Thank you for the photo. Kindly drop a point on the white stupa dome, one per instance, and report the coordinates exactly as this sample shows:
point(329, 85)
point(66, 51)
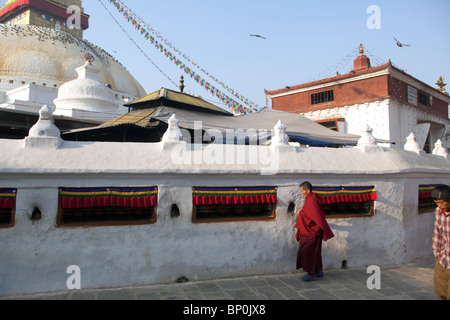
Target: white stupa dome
point(86, 93)
point(46, 56)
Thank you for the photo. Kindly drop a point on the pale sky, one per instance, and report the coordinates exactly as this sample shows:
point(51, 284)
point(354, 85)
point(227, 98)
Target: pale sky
point(305, 40)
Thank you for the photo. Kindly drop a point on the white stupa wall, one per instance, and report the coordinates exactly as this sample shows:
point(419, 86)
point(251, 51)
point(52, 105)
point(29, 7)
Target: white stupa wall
point(390, 120)
point(36, 254)
point(29, 97)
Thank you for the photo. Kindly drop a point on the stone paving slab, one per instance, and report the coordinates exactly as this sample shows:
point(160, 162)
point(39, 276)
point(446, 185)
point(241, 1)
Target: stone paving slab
point(411, 281)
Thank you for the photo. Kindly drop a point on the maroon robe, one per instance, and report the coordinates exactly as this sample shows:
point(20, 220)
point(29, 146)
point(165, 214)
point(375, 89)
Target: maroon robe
point(312, 228)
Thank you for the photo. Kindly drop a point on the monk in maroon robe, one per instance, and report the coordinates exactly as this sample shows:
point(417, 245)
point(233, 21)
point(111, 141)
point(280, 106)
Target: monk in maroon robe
point(312, 228)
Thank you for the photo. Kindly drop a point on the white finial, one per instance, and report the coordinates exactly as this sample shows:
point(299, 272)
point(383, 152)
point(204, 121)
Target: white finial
point(45, 126)
point(367, 138)
point(367, 142)
point(173, 133)
point(412, 145)
point(46, 113)
point(280, 137)
point(439, 149)
point(44, 133)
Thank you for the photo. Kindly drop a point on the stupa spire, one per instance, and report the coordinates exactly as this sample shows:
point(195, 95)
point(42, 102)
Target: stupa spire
point(64, 15)
point(362, 61)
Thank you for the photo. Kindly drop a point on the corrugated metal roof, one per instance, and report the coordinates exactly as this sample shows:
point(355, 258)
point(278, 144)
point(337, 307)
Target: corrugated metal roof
point(140, 117)
point(177, 97)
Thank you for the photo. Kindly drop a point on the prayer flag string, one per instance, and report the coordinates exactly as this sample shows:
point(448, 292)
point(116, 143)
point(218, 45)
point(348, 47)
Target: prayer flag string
point(151, 35)
point(134, 42)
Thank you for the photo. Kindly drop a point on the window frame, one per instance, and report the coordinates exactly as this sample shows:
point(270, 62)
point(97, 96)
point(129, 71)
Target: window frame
point(272, 207)
point(12, 210)
point(12, 222)
point(153, 216)
point(104, 223)
point(423, 98)
point(332, 123)
point(322, 97)
point(369, 214)
point(330, 215)
point(426, 188)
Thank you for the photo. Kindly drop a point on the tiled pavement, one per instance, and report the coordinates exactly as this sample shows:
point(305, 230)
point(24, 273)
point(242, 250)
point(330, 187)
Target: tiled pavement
point(410, 281)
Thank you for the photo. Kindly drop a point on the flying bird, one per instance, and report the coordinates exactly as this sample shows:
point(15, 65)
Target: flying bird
point(257, 36)
point(401, 44)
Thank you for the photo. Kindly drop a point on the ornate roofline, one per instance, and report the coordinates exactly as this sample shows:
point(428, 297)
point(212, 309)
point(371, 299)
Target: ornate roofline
point(52, 7)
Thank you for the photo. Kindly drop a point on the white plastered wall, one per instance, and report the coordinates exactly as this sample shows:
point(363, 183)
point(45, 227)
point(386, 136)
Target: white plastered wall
point(35, 254)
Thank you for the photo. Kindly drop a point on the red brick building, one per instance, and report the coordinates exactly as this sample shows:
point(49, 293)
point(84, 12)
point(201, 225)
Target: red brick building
point(386, 98)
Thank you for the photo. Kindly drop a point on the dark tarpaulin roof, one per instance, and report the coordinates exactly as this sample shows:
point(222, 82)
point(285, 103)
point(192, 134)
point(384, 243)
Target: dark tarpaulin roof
point(257, 125)
point(190, 109)
point(194, 113)
point(299, 128)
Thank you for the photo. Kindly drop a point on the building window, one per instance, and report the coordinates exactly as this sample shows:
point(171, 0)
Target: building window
point(426, 202)
point(347, 202)
point(412, 95)
point(322, 97)
point(84, 207)
point(223, 204)
point(333, 124)
point(7, 207)
point(422, 98)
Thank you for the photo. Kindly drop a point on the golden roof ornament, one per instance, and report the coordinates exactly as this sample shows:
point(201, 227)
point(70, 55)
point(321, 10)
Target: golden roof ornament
point(441, 85)
point(361, 50)
point(181, 84)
